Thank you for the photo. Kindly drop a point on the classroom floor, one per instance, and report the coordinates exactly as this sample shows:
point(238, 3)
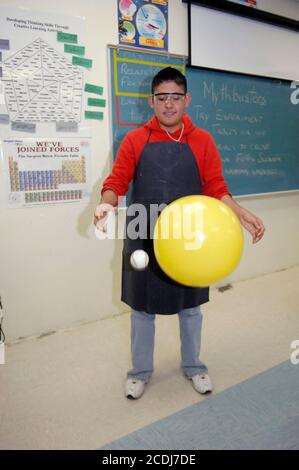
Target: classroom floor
point(65, 391)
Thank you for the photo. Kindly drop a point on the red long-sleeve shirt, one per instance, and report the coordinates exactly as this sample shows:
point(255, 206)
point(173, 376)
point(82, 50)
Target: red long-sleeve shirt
point(200, 141)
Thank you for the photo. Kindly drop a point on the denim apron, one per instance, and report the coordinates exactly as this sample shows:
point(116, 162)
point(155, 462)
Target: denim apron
point(166, 171)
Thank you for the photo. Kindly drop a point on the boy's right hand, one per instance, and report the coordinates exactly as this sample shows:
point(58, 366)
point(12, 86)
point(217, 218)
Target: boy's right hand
point(101, 216)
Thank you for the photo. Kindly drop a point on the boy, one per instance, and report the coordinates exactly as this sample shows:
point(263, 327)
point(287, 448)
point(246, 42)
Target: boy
point(168, 158)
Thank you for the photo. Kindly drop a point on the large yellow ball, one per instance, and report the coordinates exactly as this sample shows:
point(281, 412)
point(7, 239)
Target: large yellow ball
point(198, 240)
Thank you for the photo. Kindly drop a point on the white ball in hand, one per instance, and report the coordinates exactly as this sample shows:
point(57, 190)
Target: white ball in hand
point(139, 260)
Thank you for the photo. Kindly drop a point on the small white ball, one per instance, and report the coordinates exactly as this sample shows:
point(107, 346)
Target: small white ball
point(139, 260)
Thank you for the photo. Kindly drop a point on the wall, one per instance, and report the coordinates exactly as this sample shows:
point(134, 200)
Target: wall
point(288, 8)
point(54, 273)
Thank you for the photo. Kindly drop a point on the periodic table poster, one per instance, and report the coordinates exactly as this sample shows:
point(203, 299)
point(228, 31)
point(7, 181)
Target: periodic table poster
point(46, 171)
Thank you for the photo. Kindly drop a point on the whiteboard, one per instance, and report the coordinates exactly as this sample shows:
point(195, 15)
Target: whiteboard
point(224, 41)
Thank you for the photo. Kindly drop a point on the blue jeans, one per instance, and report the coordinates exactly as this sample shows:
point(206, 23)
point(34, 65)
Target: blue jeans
point(142, 343)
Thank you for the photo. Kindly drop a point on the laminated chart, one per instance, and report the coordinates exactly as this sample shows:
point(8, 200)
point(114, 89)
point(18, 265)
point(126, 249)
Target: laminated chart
point(41, 86)
point(42, 74)
point(46, 172)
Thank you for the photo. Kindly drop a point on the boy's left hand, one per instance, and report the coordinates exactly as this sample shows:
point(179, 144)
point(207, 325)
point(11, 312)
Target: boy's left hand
point(253, 224)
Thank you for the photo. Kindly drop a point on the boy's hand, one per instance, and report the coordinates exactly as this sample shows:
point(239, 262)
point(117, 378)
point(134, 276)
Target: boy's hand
point(101, 215)
point(252, 223)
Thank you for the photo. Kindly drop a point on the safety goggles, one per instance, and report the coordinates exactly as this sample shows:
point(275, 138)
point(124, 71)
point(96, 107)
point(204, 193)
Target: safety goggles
point(172, 97)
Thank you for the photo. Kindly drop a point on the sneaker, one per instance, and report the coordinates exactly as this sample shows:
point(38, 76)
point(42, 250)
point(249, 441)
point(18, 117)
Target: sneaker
point(134, 388)
point(202, 383)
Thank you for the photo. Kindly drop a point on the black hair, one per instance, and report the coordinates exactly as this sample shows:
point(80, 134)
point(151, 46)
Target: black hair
point(169, 74)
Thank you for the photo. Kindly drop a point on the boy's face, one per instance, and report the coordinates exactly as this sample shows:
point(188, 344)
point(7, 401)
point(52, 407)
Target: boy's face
point(169, 109)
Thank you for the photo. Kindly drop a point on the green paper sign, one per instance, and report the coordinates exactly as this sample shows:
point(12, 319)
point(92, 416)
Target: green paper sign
point(87, 63)
point(94, 115)
point(66, 37)
point(96, 102)
point(77, 50)
point(98, 90)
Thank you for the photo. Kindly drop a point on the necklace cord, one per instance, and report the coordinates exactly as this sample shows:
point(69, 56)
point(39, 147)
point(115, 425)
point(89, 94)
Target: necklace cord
point(176, 140)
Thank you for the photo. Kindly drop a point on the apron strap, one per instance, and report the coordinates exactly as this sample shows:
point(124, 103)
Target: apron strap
point(149, 136)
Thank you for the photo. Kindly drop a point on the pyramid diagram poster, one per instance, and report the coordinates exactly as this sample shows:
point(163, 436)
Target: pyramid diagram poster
point(44, 139)
point(41, 86)
point(41, 91)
